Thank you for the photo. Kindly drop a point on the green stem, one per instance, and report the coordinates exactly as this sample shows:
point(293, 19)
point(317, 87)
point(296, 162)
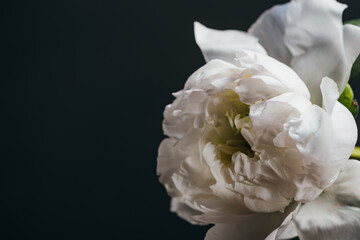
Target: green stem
point(356, 153)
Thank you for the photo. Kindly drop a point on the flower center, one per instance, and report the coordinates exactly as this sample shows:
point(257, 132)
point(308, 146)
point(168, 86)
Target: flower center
point(227, 115)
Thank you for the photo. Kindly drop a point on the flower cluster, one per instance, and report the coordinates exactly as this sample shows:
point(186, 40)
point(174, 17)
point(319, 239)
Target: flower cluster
point(257, 142)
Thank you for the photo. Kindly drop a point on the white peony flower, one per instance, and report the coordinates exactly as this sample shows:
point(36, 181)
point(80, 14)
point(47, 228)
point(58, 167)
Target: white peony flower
point(246, 146)
point(249, 144)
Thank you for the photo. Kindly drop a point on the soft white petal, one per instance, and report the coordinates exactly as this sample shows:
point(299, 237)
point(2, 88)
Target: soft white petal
point(223, 187)
point(255, 226)
point(216, 44)
point(184, 211)
point(256, 88)
point(290, 232)
point(290, 127)
point(193, 178)
point(351, 42)
point(295, 100)
point(263, 190)
point(335, 214)
point(313, 135)
point(179, 116)
point(268, 119)
point(267, 79)
point(345, 136)
point(270, 29)
point(213, 76)
point(312, 132)
point(188, 178)
point(346, 187)
point(330, 94)
point(314, 36)
point(287, 127)
point(309, 36)
point(168, 161)
point(330, 146)
point(252, 189)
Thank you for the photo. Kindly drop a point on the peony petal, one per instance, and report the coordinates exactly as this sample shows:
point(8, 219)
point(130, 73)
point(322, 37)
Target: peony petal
point(306, 131)
point(216, 44)
point(344, 137)
point(179, 116)
point(268, 78)
point(313, 34)
point(213, 76)
point(193, 178)
point(351, 42)
point(168, 161)
point(223, 187)
point(289, 233)
point(268, 119)
point(343, 127)
point(254, 178)
point(184, 211)
point(255, 226)
point(255, 193)
point(313, 135)
point(335, 214)
point(270, 29)
point(337, 135)
point(330, 94)
point(257, 88)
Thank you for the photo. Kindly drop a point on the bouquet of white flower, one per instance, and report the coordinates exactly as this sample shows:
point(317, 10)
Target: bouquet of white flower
point(259, 140)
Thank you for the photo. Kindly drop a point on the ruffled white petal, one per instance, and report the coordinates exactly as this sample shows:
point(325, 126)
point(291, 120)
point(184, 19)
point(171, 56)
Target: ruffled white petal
point(169, 161)
point(216, 44)
point(193, 178)
point(267, 78)
point(247, 186)
point(180, 116)
point(315, 142)
point(335, 214)
point(263, 190)
point(255, 226)
point(318, 43)
point(213, 76)
point(289, 233)
point(345, 136)
point(344, 132)
point(313, 135)
point(184, 211)
point(270, 29)
point(330, 94)
point(351, 42)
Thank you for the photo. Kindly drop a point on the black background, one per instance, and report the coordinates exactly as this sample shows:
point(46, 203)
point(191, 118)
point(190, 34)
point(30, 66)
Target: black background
point(83, 88)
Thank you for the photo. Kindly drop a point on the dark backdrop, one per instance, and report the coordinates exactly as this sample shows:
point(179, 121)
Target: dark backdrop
point(83, 87)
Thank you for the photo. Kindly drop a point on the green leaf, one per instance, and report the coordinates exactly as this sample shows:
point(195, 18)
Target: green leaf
point(355, 71)
point(347, 99)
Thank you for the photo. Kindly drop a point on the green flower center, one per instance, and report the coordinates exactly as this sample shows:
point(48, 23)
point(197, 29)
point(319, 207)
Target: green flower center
point(227, 116)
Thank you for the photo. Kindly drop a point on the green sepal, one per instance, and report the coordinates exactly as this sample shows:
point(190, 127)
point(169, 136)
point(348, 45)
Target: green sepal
point(355, 70)
point(354, 22)
point(347, 99)
point(356, 153)
point(354, 109)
